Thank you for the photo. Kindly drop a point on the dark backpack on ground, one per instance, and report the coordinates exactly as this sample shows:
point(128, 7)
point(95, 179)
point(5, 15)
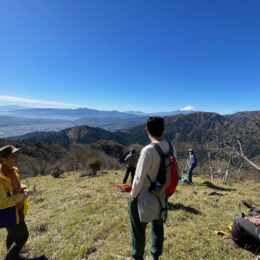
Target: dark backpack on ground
point(245, 233)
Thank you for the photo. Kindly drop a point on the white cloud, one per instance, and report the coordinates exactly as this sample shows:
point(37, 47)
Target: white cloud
point(34, 102)
point(187, 108)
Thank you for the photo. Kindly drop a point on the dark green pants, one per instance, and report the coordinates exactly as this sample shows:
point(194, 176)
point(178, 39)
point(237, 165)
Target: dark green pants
point(16, 239)
point(138, 234)
point(189, 173)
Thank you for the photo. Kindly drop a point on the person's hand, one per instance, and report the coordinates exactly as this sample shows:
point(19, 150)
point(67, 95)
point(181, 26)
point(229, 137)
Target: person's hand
point(27, 193)
point(24, 188)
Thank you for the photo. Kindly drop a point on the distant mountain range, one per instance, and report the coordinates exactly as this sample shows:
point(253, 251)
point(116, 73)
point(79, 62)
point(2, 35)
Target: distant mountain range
point(73, 114)
point(71, 148)
point(18, 120)
point(200, 128)
point(184, 111)
point(212, 128)
point(67, 114)
point(12, 107)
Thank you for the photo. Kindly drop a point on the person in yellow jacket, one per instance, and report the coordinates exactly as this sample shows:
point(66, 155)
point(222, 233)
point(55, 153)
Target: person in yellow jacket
point(13, 203)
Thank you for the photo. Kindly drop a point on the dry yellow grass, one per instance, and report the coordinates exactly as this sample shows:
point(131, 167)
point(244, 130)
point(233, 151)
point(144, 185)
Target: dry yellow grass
point(86, 218)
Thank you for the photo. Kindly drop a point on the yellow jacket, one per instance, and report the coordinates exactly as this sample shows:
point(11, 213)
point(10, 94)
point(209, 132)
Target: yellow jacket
point(8, 199)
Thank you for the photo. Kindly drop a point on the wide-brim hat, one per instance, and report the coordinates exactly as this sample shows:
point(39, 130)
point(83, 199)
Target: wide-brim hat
point(8, 150)
point(190, 150)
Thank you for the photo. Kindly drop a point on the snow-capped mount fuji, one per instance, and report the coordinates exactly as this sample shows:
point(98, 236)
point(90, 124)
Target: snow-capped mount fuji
point(188, 108)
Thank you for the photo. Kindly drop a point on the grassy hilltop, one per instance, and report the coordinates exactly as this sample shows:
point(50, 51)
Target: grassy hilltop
point(86, 218)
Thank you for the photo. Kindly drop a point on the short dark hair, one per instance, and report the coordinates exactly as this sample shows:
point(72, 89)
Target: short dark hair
point(155, 126)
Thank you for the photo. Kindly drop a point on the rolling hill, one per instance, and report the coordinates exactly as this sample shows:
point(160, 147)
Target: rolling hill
point(197, 127)
point(202, 128)
point(197, 130)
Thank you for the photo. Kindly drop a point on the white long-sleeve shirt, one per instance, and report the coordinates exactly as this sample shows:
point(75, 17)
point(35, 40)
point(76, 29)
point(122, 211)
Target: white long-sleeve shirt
point(148, 164)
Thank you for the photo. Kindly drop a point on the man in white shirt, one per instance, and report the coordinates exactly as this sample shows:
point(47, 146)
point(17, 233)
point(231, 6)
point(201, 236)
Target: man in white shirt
point(148, 164)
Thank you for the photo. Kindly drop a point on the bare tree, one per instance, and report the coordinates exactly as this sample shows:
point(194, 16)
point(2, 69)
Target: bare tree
point(227, 170)
point(241, 154)
point(210, 163)
point(77, 157)
point(239, 170)
point(41, 166)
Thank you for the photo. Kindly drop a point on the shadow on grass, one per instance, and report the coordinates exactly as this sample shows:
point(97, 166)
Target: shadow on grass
point(214, 193)
point(210, 185)
point(42, 257)
point(177, 206)
point(251, 246)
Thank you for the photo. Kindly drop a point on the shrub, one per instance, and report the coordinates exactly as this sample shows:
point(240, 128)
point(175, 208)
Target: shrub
point(94, 165)
point(56, 174)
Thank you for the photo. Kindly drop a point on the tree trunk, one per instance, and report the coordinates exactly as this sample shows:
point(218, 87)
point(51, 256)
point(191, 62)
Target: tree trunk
point(227, 171)
point(241, 154)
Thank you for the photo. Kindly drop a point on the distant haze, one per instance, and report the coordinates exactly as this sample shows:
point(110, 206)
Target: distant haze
point(18, 120)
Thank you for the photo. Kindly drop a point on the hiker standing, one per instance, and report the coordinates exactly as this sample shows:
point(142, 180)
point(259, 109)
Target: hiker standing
point(148, 164)
point(131, 160)
point(13, 203)
point(191, 164)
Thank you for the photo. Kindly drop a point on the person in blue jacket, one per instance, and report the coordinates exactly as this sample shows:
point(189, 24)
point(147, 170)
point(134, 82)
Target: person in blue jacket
point(191, 163)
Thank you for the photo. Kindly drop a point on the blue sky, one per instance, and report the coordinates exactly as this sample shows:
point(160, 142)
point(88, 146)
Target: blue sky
point(148, 55)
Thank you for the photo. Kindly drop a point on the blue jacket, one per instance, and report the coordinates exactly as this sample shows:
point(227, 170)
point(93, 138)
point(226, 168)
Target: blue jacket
point(192, 161)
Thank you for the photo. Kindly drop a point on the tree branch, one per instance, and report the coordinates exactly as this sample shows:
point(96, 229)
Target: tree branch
point(241, 154)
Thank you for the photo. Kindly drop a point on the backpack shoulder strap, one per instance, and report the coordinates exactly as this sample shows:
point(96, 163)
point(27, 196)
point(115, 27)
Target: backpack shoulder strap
point(158, 149)
point(170, 148)
point(160, 152)
point(149, 179)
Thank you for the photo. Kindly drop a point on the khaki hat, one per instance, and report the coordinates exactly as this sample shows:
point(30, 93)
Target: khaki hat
point(8, 150)
point(190, 150)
